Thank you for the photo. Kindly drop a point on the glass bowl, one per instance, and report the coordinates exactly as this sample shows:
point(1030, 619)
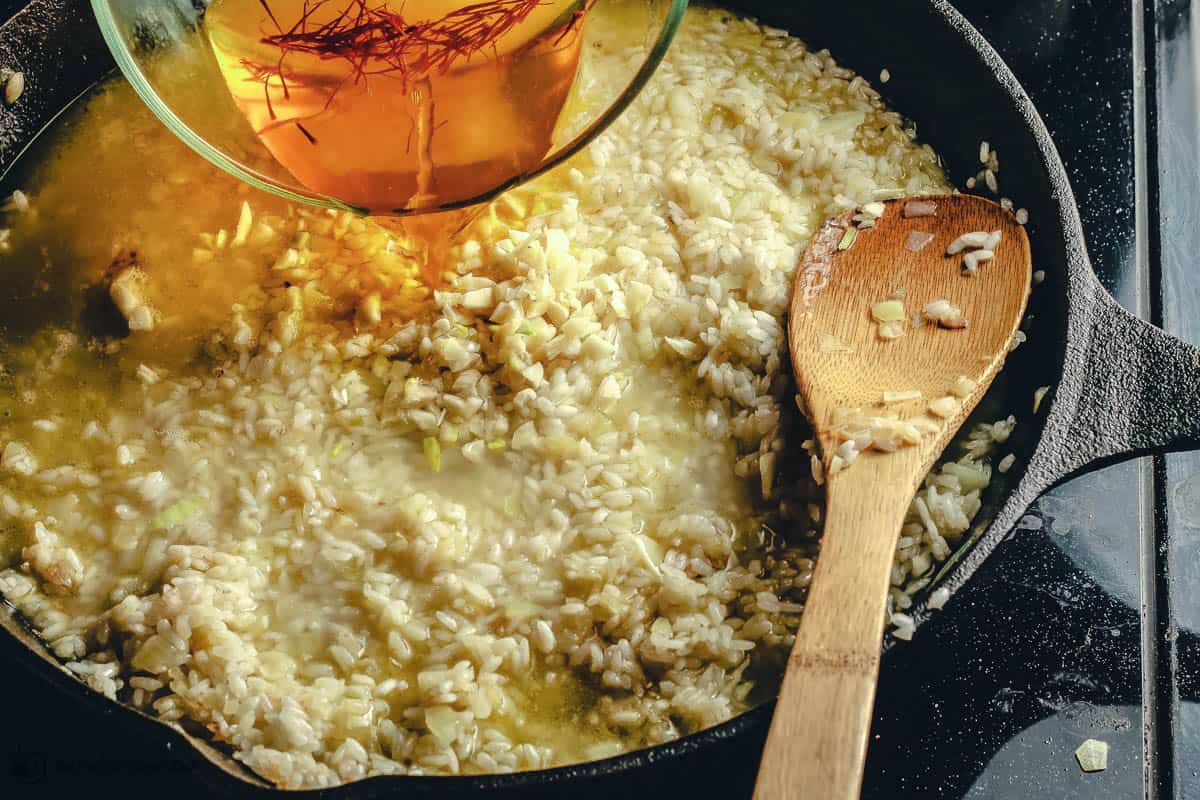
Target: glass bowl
point(169, 55)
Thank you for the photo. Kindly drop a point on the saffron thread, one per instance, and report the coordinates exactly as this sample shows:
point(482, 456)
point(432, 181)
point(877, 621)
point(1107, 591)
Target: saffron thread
point(307, 135)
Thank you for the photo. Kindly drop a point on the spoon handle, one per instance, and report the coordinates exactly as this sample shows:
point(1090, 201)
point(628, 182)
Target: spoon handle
point(818, 739)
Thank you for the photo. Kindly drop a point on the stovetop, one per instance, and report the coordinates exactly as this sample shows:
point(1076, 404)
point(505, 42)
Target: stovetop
point(1082, 624)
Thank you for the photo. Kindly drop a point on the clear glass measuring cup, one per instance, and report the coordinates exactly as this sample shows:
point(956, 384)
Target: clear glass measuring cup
point(224, 96)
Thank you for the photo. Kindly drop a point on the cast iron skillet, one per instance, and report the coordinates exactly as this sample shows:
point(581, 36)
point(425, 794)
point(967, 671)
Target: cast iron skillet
point(1120, 386)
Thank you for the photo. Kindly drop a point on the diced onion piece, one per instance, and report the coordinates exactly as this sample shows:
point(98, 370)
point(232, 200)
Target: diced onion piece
point(971, 475)
point(944, 407)
point(902, 397)
point(479, 299)
point(443, 723)
point(888, 311)
point(1092, 755)
point(828, 343)
point(178, 513)
point(890, 434)
point(919, 208)
point(924, 424)
point(245, 220)
point(14, 87)
point(848, 238)
point(684, 347)
point(1038, 394)
point(892, 330)
point(874, 209)
point(847, 451)
point(917, 241)
point(905, 626)
point(842, 124)
point(963, 386)
point(519, 610)
point(433, 453)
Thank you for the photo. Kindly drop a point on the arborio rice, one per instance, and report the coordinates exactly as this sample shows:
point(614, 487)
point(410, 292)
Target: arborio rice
point(541, 516)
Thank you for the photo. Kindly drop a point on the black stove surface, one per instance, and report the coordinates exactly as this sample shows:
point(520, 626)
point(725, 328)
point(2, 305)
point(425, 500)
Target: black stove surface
point(1082, 625)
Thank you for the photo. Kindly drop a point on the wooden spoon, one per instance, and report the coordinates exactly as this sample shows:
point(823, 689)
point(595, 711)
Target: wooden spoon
point(818, 739)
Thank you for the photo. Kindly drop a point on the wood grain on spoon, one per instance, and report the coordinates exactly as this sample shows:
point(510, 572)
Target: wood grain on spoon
point(818, 738)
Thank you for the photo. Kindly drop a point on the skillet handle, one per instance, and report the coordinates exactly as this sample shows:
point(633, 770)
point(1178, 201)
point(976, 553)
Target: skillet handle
point(1128, 388)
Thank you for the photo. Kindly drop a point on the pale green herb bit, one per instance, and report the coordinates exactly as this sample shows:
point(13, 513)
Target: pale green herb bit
point(1092, 755)
point(433, 453)
point(848, 239)
point(177, 513)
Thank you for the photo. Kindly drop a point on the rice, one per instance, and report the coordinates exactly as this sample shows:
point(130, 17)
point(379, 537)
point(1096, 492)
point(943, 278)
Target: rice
point(523, 520)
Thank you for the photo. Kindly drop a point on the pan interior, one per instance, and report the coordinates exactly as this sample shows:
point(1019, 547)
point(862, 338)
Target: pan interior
point(959, 150)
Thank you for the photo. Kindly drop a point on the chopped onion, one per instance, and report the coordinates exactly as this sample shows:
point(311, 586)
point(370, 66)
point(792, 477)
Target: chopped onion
point(1092, 755)
point(924, 424)
point(874, 209)
point(443, 723)
point(944, 407)
point(828, 343)
point(963, 386)
point(888, 311)
point(917, 240)
point(971, 474)
point(919, 208)
point(1037, 397)
point(901, 397)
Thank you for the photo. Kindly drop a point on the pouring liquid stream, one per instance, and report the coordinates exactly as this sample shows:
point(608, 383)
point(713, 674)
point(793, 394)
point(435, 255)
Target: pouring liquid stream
point(400, 106)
